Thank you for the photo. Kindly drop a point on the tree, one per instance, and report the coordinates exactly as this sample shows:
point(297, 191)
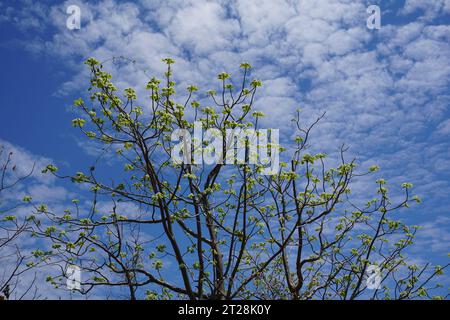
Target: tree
point(14, 258)
point(223, 231)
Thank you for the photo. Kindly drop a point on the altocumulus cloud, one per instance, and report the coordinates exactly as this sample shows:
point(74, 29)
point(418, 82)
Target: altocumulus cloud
point(386, 92)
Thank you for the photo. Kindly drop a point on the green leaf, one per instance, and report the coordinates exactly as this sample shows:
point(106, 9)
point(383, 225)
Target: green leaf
point(50, 168)
point(168, 61)
point(256, 83)
point(78, 122)
point(407, 185)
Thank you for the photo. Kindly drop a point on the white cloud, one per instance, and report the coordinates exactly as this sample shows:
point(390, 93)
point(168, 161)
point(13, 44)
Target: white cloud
point(430, 9)
point(444, 127)
point(386, 92)
point(26, 163)
point(315, 55)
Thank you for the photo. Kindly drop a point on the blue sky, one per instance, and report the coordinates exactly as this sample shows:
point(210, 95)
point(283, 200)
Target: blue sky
point(386, 92)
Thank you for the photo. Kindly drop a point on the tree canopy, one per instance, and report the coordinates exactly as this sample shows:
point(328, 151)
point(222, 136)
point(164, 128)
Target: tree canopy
point(222, 231)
